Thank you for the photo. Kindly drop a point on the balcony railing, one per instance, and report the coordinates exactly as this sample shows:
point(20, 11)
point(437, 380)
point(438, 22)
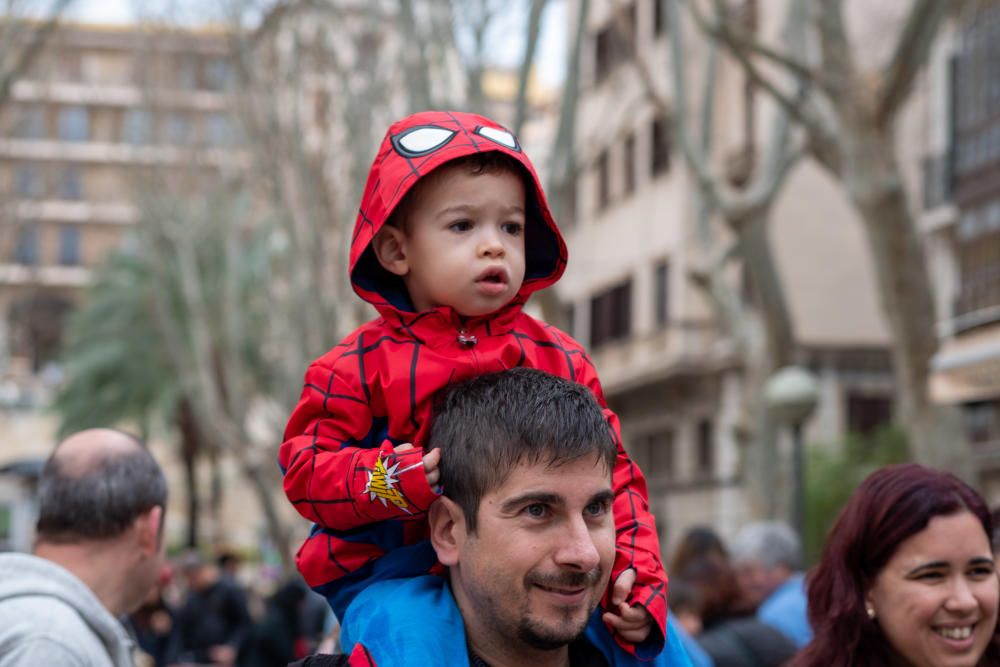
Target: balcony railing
point(938, 180)
point(978, 300)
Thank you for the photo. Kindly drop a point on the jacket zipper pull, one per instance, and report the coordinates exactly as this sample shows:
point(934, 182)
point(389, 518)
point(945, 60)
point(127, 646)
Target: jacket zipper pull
point(466, 339)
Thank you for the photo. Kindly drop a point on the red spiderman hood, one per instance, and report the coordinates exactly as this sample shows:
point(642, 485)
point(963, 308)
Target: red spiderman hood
point(412, 148)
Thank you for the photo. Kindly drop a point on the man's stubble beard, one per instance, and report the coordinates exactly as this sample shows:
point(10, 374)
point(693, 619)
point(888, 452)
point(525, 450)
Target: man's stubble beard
point(540, 636)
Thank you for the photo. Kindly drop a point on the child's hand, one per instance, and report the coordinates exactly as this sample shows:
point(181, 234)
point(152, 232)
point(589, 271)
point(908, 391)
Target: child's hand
point(633, 624)
point(431, 461)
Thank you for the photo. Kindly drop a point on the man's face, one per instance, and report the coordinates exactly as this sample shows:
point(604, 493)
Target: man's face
point(758, 582)
point(539, 561)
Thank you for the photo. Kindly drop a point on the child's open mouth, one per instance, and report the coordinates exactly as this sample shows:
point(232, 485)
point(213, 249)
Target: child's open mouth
point(493, 281)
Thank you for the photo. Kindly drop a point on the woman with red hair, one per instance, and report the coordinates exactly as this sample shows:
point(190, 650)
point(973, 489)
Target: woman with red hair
point(907, 577)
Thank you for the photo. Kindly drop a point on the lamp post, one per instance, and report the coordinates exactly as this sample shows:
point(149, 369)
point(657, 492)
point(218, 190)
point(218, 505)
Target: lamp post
point(791, 395)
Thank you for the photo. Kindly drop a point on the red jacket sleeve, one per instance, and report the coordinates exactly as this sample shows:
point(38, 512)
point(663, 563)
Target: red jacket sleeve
point(338, 471)
point(637, 545)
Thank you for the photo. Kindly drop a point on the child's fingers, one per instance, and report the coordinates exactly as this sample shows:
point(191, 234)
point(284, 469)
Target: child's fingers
point(433, 478)
point(623, 586)
point(633, 617)
point(431, 460)
point(405, 447)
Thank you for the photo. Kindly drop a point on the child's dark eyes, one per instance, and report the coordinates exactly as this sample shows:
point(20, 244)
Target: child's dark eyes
point(513, 228)
point(461, 225)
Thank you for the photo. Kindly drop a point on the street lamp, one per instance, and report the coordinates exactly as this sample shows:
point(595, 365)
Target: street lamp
point(791, 395)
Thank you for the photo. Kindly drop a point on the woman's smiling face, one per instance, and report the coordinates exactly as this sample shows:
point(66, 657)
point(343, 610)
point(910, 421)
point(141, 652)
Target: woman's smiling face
point(936, 599)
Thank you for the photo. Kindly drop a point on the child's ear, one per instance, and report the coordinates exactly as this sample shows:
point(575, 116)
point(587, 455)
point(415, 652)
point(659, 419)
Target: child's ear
point(390, 249)
point(448, 533)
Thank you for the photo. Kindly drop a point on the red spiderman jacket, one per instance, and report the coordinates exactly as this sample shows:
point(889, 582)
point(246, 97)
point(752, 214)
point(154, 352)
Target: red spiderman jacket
point(374, 391)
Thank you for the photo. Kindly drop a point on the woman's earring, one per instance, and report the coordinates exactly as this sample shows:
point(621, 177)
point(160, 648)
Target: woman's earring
point(870, 610)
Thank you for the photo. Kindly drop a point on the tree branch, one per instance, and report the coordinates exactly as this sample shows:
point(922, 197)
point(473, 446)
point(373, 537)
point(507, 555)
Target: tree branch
point(909, 56)
point(26, 57)
point(530, 45)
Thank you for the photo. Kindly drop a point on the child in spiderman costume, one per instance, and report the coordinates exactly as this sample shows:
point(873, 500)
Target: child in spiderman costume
point(452, 237)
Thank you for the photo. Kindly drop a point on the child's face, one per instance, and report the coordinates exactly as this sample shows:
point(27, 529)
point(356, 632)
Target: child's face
point(463, 244)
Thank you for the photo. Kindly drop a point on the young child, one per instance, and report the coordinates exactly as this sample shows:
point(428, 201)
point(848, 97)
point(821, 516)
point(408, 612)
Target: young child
point(452, 237)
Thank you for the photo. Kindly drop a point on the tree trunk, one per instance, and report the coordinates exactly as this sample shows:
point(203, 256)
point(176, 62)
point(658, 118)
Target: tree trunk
point(875, 185)
point(264, 485)
point(190, 447)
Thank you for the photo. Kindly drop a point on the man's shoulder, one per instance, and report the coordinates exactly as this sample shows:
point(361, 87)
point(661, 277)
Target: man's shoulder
point(46, 630)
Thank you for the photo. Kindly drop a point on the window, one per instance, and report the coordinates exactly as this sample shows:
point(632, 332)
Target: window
point(706, 448)
point(6, 527)
point(30, 123)
point(69, 245)
point(659, 455)
point(866, 414)
point(661, 147)
point(611, 47)
point(603, 181)
point(137, 127)
point(26, 245)
point(659, 18)
point(569, 317)
point(661, 292)
point(29, 181)
point(611, 314)
point(982, 421)
point(69, 184)
point(218, 74)
point(178, 129)
point(74, 124)
point(219, 130)
point(187, 72)
point(629, 169)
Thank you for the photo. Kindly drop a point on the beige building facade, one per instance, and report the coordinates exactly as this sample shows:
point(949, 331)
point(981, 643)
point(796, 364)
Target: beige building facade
point(667, 368)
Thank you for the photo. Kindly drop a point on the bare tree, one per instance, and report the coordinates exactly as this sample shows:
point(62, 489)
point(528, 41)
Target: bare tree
point(762, 331)
point(849, 114)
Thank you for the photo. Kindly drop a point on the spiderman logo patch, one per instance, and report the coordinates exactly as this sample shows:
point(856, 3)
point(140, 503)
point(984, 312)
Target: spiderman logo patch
point(382, 482)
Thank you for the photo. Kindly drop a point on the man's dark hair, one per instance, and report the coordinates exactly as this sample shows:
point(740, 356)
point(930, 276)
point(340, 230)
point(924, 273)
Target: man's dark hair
point(100, 499)
point(489, 424)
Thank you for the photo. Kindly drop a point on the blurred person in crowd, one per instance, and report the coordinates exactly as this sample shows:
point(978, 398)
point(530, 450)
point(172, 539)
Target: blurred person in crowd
point(214, 621)
point(154, 625)
point(229, 563)
point(907, 577)
point(98, 553)
point(730, 635)
point(698, 543)
point(767, 558)
point(685, 606)
point(278, 639)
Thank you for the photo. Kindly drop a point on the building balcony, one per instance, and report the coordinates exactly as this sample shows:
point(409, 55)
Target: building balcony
point(119, 153)
point(82, 212)
point(978, 300)
point(46, 276)
point(939, 210)
point(681, 348)
point(117, 95)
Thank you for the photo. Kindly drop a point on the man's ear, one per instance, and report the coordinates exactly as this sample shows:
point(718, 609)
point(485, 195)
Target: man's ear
point(389, 245)
point(148, 530)
point(448, 530)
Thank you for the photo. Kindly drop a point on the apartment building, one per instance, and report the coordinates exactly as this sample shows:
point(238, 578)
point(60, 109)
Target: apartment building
point(667, 368)
point(100, 107)
point(961, 221)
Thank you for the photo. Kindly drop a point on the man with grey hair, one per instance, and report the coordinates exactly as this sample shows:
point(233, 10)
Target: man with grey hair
point(767, 557)
point(98, 552)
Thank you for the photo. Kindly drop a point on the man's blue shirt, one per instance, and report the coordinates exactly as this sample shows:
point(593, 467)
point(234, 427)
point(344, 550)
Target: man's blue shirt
point(785, 610)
